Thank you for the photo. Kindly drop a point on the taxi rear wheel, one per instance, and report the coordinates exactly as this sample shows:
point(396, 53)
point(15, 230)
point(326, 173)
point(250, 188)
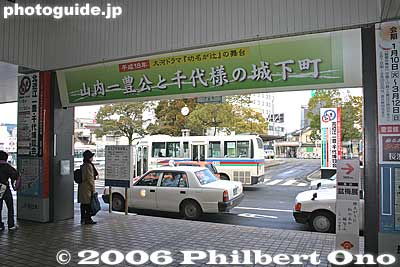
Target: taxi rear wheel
point(323, 222)
point(118, 203)
point(191, 210)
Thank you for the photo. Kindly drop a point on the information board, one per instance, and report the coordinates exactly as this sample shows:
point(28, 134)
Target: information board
point(119, 167)
point(348, 205)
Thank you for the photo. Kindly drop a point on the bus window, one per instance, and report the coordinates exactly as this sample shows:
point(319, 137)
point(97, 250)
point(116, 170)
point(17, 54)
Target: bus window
point(230, 149)
point(260, 143)
point(173, 149)
point(214, 149)
point(243, 149)
point(158, 150)
point(186, 153)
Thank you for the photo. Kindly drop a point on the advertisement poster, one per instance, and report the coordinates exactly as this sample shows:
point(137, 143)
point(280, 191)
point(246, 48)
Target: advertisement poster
point(30, 170)
point(28, 115)
point(119, 165)
point(323, 60)
point(331, 137)
point(348, 205)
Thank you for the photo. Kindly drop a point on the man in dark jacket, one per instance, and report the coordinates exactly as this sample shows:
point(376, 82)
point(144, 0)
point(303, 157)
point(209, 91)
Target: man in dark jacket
point(7, 172)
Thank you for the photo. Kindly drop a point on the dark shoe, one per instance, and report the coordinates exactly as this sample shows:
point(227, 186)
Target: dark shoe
point(90, 222)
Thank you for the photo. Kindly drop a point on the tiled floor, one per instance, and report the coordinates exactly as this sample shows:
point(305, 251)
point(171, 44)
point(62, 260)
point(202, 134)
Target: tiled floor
point(36, 244)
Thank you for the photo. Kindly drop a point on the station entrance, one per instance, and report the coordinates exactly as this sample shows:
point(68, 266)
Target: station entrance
point(321, 61)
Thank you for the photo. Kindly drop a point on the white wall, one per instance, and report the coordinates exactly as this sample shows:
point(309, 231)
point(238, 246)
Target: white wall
point(154, 26)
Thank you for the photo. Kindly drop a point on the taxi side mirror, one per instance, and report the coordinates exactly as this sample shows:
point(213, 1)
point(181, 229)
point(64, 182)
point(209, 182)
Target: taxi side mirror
point(314, 196)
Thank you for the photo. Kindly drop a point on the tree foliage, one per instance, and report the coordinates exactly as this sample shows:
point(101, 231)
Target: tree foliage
point(351, 113)
point(125, 119)
point(169, 119)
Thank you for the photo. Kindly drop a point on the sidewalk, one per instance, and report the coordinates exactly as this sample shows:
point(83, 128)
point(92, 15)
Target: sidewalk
point(36, 244)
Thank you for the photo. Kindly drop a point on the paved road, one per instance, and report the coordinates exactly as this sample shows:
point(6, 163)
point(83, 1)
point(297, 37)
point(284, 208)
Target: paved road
point(270, 204)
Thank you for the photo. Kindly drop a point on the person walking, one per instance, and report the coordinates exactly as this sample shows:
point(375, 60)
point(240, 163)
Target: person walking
point(87, 187)
point(7, 172)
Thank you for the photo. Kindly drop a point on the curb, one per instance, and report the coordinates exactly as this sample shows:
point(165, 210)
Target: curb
point(273, 164)
point(308, 178)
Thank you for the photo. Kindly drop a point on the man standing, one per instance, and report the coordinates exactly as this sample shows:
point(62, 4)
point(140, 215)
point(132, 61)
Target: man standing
point(7, 172)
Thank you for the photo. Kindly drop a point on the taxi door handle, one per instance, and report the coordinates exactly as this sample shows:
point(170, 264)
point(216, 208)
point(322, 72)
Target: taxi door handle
point(152, 190)
point(183, 192)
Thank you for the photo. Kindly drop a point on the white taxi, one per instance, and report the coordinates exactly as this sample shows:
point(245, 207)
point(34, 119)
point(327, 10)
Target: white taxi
point(317, 208)
point(189, 190)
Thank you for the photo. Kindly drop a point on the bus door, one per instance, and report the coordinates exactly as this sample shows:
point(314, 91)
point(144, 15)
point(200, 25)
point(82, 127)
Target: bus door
point(198, 152)
point(142, 160)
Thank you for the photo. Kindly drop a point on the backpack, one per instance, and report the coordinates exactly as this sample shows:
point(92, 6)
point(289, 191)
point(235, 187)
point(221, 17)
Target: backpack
point(78, 175)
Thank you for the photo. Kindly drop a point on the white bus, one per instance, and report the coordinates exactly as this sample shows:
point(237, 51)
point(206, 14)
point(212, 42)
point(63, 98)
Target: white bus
point(237, 158)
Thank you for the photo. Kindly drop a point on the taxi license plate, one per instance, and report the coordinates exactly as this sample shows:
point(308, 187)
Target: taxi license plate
point(235, 191)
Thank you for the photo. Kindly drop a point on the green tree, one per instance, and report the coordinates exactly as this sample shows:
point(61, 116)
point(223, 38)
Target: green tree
point(211, 116)
point(125, 119)
point(169, 119)
point(249, 121)
point(351, 113)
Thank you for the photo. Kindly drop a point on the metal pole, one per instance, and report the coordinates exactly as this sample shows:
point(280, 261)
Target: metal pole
point(126, 201)
point(371, 141)
point(110, 196)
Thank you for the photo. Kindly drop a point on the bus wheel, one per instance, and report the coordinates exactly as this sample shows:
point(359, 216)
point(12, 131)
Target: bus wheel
point(224, 177)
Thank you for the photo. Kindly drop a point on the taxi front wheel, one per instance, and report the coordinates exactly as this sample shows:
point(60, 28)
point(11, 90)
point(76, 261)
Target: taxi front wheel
point(191, 210)
point(118, 203)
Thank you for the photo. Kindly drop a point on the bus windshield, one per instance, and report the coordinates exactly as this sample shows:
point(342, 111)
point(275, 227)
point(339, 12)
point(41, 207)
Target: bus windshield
point(205, 177)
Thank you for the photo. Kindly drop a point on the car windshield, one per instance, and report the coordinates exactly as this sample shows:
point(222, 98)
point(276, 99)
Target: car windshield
point(205, 176)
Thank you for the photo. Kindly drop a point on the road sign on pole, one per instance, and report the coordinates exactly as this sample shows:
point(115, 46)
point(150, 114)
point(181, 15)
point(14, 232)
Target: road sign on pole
point(348, 205)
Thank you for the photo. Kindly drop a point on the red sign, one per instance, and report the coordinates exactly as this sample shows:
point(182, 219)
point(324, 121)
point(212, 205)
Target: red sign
point(389, 129)
point(349, 168)
point(132, 66)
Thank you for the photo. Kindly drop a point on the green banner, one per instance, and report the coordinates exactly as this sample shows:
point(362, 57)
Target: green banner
point(302, 62)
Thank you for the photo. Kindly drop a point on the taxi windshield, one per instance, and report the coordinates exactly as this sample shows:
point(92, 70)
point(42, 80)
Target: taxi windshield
point(205, 176)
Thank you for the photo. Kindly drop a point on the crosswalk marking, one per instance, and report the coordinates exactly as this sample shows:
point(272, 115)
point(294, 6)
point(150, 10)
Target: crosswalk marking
point(283, 182)
point(274, 182)
point(289, 182)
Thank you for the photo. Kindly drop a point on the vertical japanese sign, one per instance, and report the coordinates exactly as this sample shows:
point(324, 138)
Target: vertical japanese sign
point(331, 137)
point(32, 147)
point(388, 82)
point(323, 60)
point(348, 205)
point(119, 165)
point(28, 115)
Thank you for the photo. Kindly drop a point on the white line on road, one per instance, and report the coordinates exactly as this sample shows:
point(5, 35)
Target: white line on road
point(249, 208)
point(302, 184)
point(256, 216)
point(266, 181)
point(274, 182)
point(289, 182)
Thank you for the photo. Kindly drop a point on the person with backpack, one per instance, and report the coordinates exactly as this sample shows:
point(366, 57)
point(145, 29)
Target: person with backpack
point(7, 172)
point(86, 187)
